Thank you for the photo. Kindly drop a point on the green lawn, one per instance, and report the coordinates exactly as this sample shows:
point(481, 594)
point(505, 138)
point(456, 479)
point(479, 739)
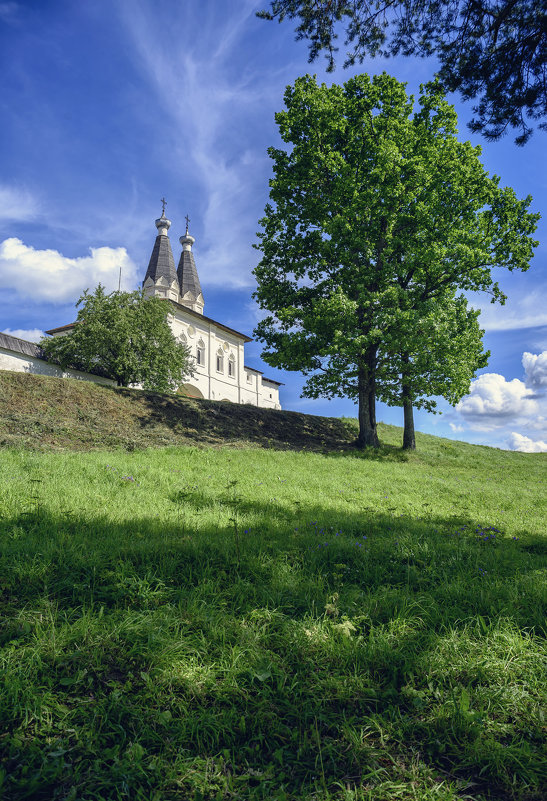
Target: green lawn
point(226, 623)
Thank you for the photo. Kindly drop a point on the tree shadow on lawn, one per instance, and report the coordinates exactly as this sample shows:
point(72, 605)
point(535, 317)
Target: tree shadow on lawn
point(208, 422)
point(361, 646)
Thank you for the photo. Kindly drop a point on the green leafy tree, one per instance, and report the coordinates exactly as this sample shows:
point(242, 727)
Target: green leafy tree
point(377, 210)
point(493, 50)
point(126, 337)
point(437, 353)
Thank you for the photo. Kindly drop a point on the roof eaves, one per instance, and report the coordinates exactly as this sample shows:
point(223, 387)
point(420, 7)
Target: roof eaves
point(199, 316)
point(61, 328)
point(272, 381)
point(18, 345)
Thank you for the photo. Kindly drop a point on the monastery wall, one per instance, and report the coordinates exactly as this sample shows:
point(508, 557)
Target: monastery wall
point(220, 373)
point(24, 363)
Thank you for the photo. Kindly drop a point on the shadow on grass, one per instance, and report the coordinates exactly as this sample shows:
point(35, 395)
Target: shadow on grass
point(209, 422)
point(335, 651)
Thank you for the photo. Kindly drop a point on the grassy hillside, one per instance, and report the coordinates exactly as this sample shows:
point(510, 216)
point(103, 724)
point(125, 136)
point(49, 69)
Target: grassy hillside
point(253, 623)
point(48, 414)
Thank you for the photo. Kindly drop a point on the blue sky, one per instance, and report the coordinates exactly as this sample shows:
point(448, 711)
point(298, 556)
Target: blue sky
point(108, 106)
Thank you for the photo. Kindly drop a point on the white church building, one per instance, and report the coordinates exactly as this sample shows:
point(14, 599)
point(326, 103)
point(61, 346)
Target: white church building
point(218, 350)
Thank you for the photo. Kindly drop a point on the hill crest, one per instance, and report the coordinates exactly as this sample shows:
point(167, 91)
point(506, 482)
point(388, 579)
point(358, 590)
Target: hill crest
point(45, 413)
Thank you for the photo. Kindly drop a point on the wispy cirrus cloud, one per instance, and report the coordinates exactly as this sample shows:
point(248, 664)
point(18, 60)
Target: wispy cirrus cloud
point(525, 308)
point(17, 203)
point(215, 104)
point(9, 11)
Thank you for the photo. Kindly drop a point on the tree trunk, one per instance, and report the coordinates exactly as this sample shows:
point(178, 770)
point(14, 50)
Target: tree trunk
point(368, 435)
point(409, 439)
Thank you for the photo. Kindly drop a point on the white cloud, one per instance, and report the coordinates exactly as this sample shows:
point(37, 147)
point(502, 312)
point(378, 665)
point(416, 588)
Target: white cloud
point(455, 427)
point(30, 334)
point(518, 442)
point(535, 367)
point(47, 275)
point(493, 401)
point(17, 204)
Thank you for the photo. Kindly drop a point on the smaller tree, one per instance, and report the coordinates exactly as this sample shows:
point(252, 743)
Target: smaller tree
point(436, 351)
point(126, 337)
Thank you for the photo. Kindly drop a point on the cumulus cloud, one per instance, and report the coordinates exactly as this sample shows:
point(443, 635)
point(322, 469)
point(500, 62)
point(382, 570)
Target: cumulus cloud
point(47, 275)
point(519, 442)
point(30, 334)
point(535, 367)
point(456, 428)
point(17, 204)
point(493, 400)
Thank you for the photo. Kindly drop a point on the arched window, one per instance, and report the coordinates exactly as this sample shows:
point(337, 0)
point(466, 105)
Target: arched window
point(232, 365)
point(201, 353)
point(220, 361)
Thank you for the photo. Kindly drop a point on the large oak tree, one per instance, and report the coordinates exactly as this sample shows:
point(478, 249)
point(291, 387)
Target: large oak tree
point(491, 50)
point(378, 210)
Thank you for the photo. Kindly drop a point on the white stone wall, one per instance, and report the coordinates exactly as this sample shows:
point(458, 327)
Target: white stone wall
point(22, 363)
point(211, 382)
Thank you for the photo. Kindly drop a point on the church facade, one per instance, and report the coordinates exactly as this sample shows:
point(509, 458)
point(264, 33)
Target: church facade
point(218, 350)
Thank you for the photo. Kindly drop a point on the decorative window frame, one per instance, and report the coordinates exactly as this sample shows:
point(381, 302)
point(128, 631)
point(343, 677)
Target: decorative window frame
point(232, 365)
point(220, 361)
point(200, 353)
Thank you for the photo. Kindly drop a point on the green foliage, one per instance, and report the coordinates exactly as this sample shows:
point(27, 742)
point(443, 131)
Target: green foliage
point(439, 353)
point(126, 337)
point(493, 51)
point(379, 216)
point(380, 635)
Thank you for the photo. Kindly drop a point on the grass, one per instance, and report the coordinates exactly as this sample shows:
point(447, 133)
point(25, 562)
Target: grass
point(42, 413)
point(251, 623)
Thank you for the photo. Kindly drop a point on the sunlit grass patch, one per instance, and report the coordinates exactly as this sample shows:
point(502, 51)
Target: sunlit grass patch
point(203, 624)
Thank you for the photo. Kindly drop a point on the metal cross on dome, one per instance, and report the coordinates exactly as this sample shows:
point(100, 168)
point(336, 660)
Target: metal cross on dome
point(163, 203)
point(187, 218)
